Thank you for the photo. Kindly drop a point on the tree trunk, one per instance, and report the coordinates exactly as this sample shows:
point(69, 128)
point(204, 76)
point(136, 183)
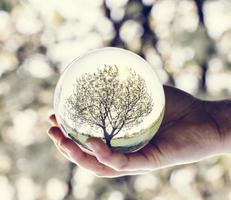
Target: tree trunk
point(108, 142)
point(107, 138)
point(203, 86)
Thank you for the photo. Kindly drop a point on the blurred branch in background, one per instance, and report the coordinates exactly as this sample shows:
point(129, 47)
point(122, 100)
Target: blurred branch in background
point(210, 49)
point(116, 41)
point(70, 177)
point(141, 16)
point(149, 37)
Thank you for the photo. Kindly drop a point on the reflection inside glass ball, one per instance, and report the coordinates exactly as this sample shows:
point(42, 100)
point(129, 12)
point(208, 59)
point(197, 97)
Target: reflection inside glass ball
point(112, 94)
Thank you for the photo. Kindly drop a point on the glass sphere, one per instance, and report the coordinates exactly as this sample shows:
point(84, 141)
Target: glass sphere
point(112, 94)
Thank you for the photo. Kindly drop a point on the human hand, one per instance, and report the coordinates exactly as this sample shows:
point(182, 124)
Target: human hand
point(187, 134)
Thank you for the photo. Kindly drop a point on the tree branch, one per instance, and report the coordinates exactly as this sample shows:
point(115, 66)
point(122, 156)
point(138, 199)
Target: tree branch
point(69, 181)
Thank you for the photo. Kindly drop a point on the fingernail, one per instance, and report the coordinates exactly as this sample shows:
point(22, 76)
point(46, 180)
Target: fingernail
point(90, 145)
point(49, 132)
point(49, 113)
point(50, 119)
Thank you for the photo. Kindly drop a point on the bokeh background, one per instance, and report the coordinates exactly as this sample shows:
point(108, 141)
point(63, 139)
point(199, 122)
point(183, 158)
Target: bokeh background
point(188, 43)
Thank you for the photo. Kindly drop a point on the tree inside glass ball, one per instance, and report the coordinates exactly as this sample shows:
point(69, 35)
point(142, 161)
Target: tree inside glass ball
point(112, 94)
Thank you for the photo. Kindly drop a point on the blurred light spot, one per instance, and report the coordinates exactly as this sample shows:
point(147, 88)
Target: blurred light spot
point(162, 31)
point(146, 182)
point(5, 25)
point(26, 21)
point(182, 179)
point(163, 11)
point(66, 51)
point(131, 31)
point(214, 174)
point(224, 44)
point(218, 78)
point(47, 37)
point(218, 17)
point(116, 195)
point(116, 3)
point(219, 82)
point(169, 194)
point(186, 17)
point(189, 53)
point(26, 189)
point(81, 192)
point(72, 30)
point(187, 80)
point(83, 177)
point(117, 14)
point(152, 57)
point(164, 47)
point(156, 64)
point(82, 181)
point(38, 66)
point(215, 65)
point(92, 40)
point(23, 125)
point(83, 10)
point(105, 28)
point(8, 62)
point(12, 44)
point(6, 190)
point(6, 163)
point(162, 14)
point(148, 2)
point(162, 75)
point(44, 7)
point(177, 58)
point(55, 189)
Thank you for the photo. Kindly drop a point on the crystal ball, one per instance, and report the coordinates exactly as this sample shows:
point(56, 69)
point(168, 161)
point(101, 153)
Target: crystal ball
point(112, 94)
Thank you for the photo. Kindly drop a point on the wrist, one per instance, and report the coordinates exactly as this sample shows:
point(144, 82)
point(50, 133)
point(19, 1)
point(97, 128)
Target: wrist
point(220, 114)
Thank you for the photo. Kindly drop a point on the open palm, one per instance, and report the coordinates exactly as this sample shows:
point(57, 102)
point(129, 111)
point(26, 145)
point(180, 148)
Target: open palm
point(188, 133)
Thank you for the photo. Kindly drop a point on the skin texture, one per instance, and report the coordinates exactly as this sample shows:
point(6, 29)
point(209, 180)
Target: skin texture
point(189, 133)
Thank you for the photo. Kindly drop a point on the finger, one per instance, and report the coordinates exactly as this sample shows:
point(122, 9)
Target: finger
point(106, 173)
point(64, 153)
point(119, 161)
point(79, 157)
point(74, 154)
point(53, 120)
point(122, 173)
